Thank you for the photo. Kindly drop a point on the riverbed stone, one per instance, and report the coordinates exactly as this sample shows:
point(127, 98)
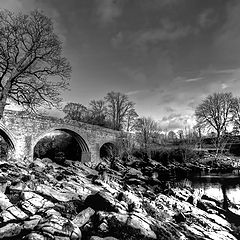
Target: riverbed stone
point(10, 230)
point(83, 217)
point(12, 213)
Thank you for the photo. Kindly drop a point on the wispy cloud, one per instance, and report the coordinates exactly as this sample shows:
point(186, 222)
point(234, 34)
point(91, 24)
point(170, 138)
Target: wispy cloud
point(177, 121)
point(108, 10)
point(135, 92)
point(12, 5)
point(193, 79)
point(158, 35)
point(228, 37)
point(207, 18)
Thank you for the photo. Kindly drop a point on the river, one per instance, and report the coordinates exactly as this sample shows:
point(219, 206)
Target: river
point(212, 184)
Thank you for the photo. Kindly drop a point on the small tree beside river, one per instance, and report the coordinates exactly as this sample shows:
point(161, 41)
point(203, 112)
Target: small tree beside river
point(216, 113)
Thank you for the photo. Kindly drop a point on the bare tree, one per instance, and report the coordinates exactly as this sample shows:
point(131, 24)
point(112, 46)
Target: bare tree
point(215, 113)
point(30, 53)
point(236, 112)
point(118, 108)
point(98, 107)
point(131, 118)
point(147, 129)
point(98, 112)
point(75, 111)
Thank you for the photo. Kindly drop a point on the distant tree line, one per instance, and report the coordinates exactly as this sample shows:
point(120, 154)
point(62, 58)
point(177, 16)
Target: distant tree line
point(115, 111)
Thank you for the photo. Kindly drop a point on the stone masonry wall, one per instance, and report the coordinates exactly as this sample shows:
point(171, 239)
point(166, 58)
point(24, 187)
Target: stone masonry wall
point(25, 131)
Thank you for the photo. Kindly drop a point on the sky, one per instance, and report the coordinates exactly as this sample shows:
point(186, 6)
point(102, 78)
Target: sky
point(166, 55)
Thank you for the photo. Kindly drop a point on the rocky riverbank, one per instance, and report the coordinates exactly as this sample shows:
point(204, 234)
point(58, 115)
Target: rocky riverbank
point(44, 200)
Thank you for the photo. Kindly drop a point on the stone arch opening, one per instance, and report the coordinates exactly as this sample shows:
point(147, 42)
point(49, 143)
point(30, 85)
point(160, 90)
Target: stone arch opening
point(64, 144)
point(108, 150)
point(7, 146)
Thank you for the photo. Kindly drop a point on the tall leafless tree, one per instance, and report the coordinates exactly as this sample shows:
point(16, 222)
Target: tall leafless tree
point(75, 111)
point(118, 108)
point(147, 128)
point(98, 107)
point(215, 113)
point(32, 69)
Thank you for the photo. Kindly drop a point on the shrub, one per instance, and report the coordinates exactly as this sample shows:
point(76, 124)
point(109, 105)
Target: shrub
point(167, 155)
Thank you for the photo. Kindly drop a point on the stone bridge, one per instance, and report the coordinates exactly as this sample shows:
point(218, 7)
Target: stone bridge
point(22, 132)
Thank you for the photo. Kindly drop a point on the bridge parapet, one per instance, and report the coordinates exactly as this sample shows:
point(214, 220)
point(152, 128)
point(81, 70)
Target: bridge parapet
point(26, 130)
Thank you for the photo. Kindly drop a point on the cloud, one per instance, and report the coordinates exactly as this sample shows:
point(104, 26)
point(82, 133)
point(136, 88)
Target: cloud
point(135, 92)
point(224, 86)
point(177, 121)
point(157, 35)
point(169, 109)
point(108, 10)
point(117, 40)
point(193, 79)
point(135, 74)
point(207, 18)
point(227, 41)
point(12, 5)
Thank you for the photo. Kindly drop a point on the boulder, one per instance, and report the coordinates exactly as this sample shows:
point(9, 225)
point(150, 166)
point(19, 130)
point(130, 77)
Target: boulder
point(13, 213)
point(59, 226)
point(83, 217)
point(4, 201)
point(35, 236)
point(136, 226)
point(105, 238)
point(180, 217)
point(10, 230)
point(34, 202)
point(102, 201)
point(56, 195)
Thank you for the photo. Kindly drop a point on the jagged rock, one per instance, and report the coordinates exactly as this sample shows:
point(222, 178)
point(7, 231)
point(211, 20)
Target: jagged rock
point(99, 238)
point(180, 217)
point(206, 205)
point(10, 230)
point(4, 201)
point(32, 222)
point(17, 187)
point(56, 195)
point(83, 217)
point(59, 226)
point(103, 227)
point(34, 202)
point(102, 201)
point(135, 225)
point(35, 236)
point(3, 184)
point(12, 213)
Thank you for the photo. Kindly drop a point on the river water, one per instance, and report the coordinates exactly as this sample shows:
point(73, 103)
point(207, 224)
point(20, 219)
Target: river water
point(212, 184)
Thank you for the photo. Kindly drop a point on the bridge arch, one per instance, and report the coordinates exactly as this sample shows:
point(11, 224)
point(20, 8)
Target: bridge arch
point(7, 136)
point(80, 138)
point(108, 149)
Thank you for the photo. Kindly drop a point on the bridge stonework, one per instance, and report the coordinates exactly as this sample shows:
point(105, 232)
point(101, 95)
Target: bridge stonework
point(23, 131)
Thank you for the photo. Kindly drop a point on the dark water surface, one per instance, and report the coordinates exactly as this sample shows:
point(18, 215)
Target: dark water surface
point(212, 184)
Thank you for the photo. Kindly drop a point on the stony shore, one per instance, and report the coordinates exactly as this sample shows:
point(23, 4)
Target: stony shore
point(44, 200)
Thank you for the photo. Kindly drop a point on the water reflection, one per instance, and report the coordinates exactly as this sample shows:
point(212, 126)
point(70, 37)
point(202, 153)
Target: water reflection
point(214, 185)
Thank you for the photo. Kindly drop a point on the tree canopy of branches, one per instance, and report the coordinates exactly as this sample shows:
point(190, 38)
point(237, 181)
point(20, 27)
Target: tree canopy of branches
point(118, 108)
point(215, 113)
point(98, 112)
point(32, 69)
point(75, 111)
point(236, 113)
point(147, 130)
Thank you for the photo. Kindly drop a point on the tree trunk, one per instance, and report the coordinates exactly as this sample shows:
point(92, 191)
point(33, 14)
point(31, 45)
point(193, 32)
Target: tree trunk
point(218, 142)
point(4, 96)
point(2, 106)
